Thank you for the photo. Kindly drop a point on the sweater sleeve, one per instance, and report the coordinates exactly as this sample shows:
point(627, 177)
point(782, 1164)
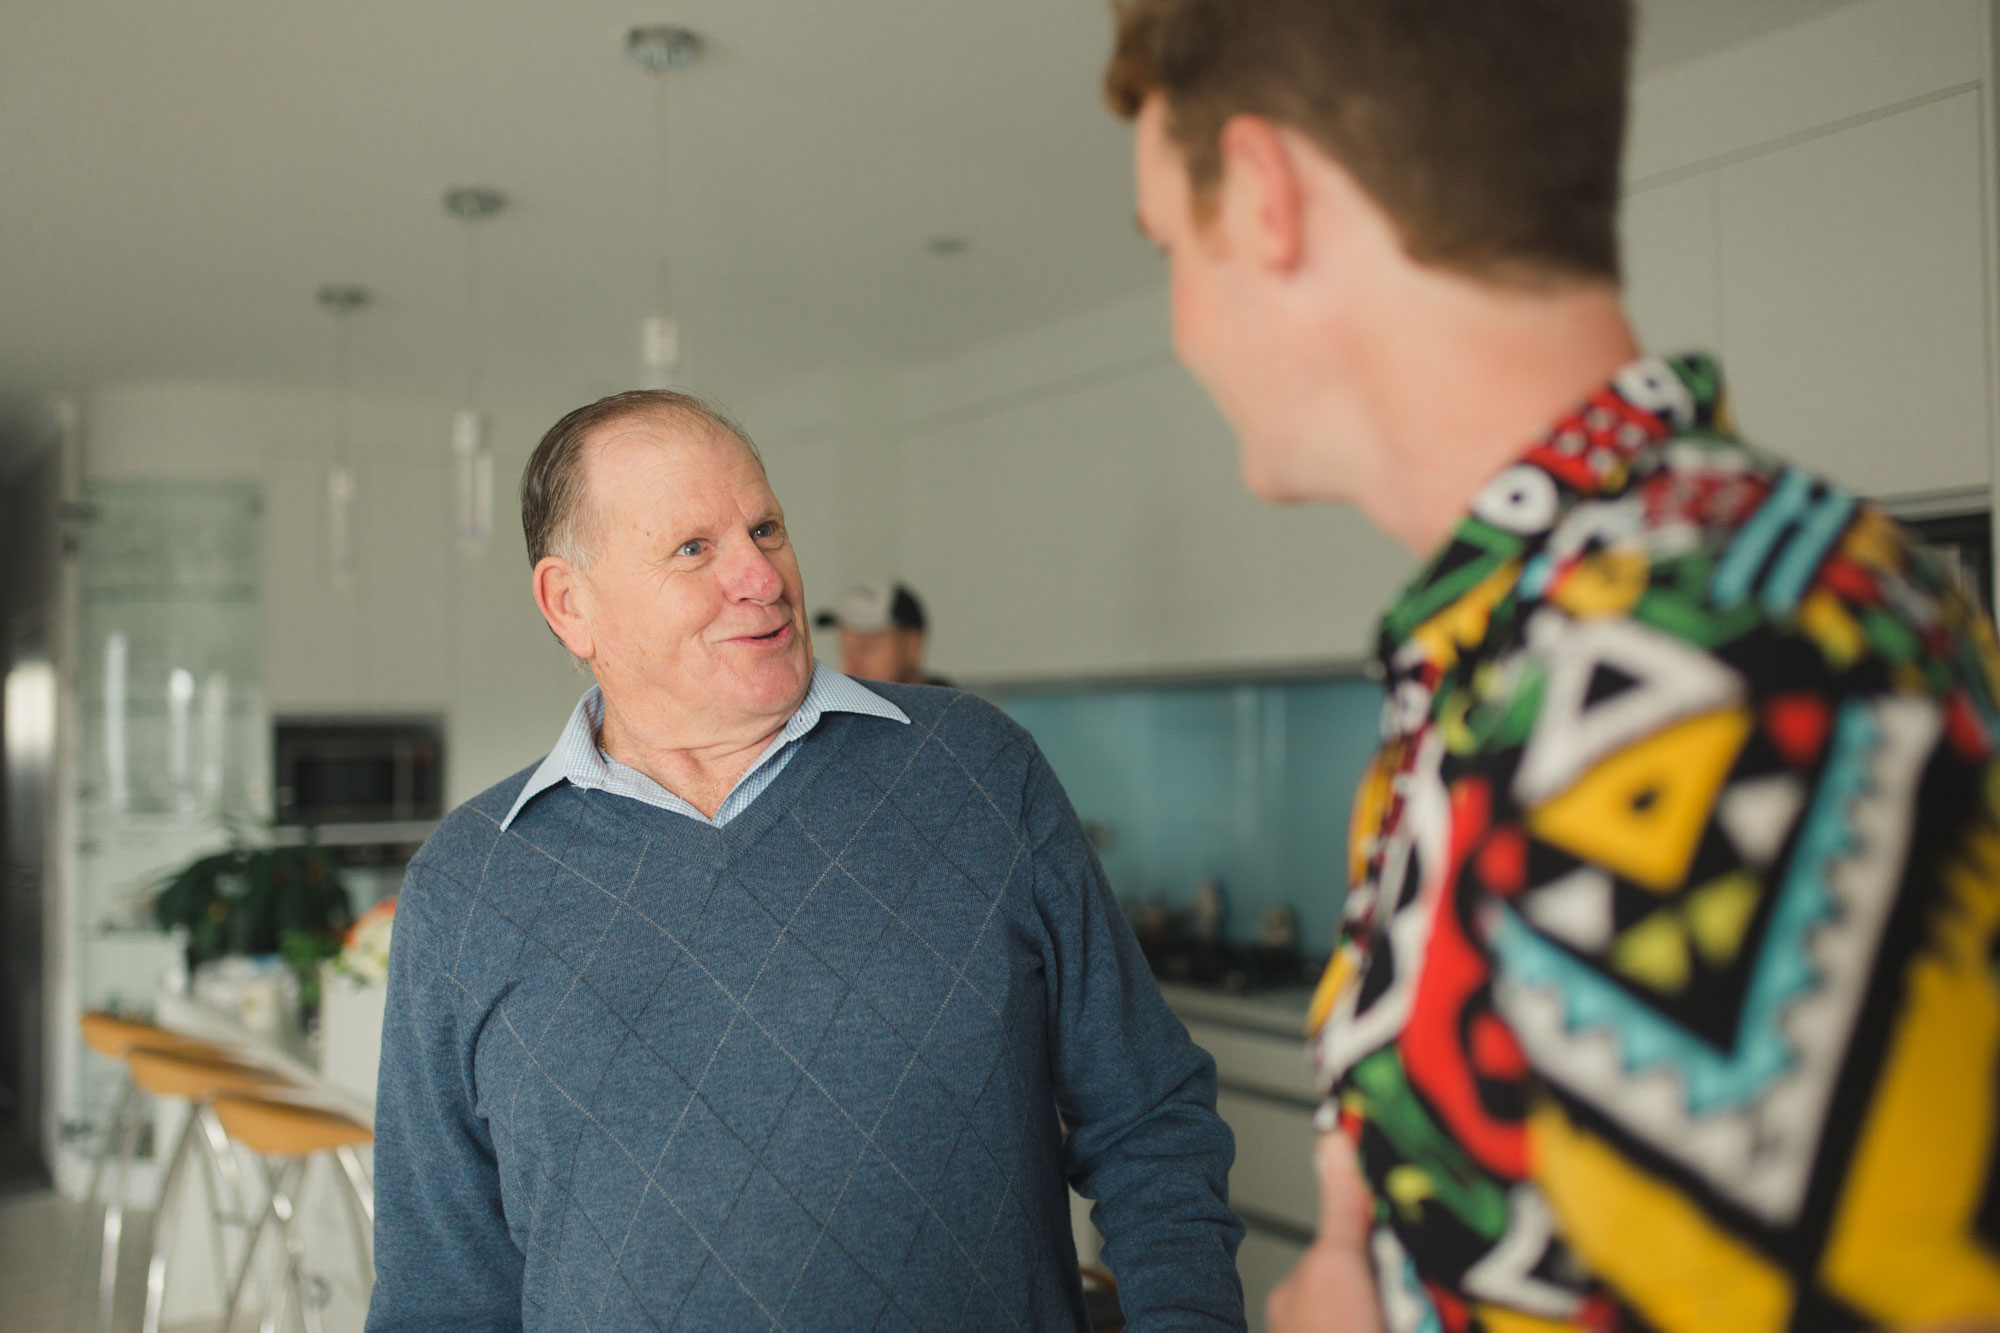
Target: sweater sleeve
point(444, 1258)
point(1137, 1096)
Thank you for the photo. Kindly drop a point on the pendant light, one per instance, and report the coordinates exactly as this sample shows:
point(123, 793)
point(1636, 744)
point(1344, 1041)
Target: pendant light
point(472, 457)
point(660, 50)
point(340, 300)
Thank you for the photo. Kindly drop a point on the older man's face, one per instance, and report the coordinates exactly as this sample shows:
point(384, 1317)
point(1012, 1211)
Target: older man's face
point(695, 604)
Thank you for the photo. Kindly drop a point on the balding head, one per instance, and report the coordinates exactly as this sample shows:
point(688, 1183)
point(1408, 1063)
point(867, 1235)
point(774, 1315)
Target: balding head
point(556, 510)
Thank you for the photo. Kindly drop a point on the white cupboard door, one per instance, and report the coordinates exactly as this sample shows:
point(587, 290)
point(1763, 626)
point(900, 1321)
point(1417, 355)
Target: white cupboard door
point(1670, 265)
point(1854, 311)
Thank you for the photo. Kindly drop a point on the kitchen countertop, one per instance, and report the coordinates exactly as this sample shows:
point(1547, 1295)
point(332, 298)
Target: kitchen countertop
point(1279, 1013)
point(190, 1017)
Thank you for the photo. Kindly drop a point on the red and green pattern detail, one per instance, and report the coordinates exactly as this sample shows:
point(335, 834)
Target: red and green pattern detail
point(1681, 854)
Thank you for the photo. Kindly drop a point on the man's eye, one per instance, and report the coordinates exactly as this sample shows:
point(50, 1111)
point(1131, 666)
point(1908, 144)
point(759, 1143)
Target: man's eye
point(763, 530)
point(689, 548)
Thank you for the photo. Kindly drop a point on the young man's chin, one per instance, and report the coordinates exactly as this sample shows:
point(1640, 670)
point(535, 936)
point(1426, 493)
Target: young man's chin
point(1266, 480)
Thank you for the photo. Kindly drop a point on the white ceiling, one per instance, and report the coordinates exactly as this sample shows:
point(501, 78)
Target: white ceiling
point(176, 179)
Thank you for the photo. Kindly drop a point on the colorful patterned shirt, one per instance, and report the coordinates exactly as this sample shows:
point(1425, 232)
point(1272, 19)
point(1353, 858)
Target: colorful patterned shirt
point(1666, 993)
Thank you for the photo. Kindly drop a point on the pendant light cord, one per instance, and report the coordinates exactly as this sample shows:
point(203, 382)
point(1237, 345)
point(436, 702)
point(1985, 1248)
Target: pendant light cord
point(342, 446)
point(663, 199)
point(470, 327)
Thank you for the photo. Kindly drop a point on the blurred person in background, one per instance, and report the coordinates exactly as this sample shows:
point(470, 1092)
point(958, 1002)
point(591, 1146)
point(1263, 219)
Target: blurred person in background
point(882, 634)
point(768, 998)
point(1665, 994)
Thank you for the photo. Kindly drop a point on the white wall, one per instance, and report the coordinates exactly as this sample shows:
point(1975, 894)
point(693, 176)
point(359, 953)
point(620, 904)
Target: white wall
point(1813, 205)
point(1071, 505)
point(424, 627)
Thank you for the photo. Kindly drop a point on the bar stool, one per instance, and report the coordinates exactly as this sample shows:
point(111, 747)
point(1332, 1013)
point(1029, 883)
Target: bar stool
point(115, 1038)
point(295, 1134)
point(198, 1078)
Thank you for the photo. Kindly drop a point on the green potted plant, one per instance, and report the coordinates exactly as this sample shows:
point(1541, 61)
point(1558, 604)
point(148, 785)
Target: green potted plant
point(254, 900)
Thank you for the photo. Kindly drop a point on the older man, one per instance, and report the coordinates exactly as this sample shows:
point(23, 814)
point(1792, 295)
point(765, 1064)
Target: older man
point(1666, 998)
point(768, 1000)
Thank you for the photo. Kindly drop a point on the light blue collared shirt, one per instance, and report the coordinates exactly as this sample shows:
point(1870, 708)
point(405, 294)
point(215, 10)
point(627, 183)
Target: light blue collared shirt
point(577, 760)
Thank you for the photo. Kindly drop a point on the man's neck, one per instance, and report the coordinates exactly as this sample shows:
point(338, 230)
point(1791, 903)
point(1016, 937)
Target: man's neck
point(1466, 387)
point(700, 770)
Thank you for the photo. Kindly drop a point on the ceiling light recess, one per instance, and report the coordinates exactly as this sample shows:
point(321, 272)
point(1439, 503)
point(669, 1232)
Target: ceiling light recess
point(471, 202)
point(663, 47)
point(341, 297)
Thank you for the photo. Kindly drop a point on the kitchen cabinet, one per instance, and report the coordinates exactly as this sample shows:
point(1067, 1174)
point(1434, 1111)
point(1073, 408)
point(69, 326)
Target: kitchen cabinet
point(1841, 280)
point(1104, 528)
point(1853, 306)
point(1670, 265)
point(1267, 1096)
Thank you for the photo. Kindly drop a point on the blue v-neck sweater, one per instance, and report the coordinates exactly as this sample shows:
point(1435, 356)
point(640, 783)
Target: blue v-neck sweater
point(829, 1066)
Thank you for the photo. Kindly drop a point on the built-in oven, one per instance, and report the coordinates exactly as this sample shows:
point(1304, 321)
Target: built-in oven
point(343, 771)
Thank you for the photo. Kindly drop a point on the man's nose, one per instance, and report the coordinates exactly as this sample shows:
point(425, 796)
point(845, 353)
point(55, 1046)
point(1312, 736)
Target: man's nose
point(751, 577)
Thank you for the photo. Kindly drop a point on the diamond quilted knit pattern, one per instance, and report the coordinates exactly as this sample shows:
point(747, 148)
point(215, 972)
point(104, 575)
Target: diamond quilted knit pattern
point(802, 1071)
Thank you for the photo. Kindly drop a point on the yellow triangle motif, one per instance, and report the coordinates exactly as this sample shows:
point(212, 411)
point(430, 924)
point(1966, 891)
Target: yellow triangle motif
point(1608, 583)
point(1719, 912)
point(1655, 953)
point(1641, 812)
point(1465, 620)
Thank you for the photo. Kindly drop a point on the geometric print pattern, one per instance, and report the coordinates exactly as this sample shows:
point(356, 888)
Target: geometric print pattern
point(808, 1066)
point(1665, 993)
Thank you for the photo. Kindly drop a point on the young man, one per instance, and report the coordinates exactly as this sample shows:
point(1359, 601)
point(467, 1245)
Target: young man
point(1665, 997)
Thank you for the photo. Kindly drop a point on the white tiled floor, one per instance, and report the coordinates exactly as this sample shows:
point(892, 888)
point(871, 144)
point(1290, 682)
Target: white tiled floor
point(36, 1269)
point(35, 1232)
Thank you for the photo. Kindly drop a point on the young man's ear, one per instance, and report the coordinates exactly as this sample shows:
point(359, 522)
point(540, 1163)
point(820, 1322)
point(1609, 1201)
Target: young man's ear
point(1262, 198)
point(563, 599)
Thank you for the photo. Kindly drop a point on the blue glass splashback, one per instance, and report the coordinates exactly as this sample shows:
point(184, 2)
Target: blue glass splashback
point(1247, 784)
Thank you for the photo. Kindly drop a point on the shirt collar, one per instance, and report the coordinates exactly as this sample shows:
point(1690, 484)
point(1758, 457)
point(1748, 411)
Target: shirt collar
point(577, 760)
point(1587, 454)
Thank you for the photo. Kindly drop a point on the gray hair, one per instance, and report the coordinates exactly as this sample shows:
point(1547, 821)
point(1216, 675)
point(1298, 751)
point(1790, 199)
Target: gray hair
point(556, 514)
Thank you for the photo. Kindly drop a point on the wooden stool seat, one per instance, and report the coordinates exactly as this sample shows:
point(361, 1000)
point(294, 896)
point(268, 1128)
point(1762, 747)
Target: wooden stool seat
point(288, 1137)
point(197, 1076)
point(165, 1064)
point(110, 1035)
point(288, 1129)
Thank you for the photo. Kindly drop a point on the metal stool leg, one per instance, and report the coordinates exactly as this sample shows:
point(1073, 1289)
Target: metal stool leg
point(288, 1287)
point(250, 1248)
point(162, 1228)
point(225, 1192)
point(81, 1250)
point(295, 1249)
point(359, 1197)
point(285, 1285)
point(279, 1185)
point(114, 1222)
